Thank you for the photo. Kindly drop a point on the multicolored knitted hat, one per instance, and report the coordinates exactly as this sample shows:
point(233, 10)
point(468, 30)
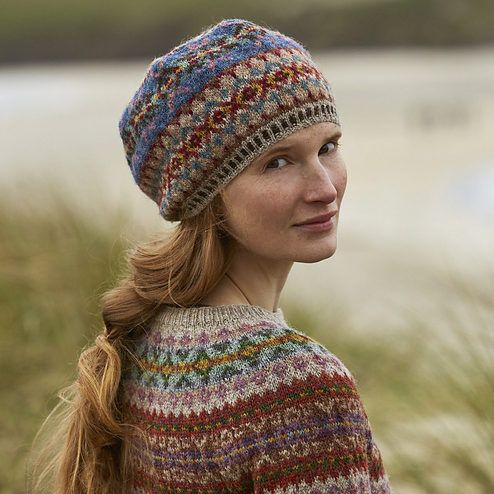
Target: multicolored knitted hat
point(211, 105)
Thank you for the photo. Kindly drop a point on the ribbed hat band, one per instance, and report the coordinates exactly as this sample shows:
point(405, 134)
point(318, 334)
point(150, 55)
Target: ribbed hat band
point(206, 109)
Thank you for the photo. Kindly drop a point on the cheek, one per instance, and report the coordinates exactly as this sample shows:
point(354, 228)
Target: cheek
point(273, 204)
point(261, 210)
point(340, 180)
point(258, 210)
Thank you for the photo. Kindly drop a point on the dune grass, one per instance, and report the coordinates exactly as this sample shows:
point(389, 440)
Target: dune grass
point(54, 265)
point(428, 390)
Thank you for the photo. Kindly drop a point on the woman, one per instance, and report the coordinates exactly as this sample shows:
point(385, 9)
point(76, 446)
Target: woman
point(197, 384)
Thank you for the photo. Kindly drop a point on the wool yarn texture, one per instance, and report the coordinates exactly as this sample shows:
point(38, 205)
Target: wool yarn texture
point(232, 399)
point(207, 108)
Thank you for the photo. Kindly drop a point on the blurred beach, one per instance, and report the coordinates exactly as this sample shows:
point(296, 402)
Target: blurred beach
point(417, 140)
point(406, 301)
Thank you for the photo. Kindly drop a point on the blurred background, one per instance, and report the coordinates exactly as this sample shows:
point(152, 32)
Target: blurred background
point(407, 300)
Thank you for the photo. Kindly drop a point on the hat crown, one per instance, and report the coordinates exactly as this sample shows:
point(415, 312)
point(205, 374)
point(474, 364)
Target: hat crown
point(189, 114)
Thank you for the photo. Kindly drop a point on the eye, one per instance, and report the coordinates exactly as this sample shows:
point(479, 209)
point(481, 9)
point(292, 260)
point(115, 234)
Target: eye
point(274, 161)
point(336, 144)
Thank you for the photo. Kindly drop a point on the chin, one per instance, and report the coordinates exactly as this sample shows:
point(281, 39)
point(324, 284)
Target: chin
point(316, 255)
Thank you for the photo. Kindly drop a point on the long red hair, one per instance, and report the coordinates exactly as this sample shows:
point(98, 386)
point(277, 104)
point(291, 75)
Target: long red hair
point(85, 445)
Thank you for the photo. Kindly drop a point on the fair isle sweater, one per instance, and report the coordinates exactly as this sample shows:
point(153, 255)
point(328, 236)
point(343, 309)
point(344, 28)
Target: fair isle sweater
point(234, 400)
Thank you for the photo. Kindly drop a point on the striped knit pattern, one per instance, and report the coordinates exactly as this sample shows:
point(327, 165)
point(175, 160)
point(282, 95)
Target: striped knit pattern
point(234, 400)
point(209, 107)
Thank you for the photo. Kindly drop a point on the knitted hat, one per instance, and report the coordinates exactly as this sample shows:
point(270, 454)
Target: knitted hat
point(210, 106)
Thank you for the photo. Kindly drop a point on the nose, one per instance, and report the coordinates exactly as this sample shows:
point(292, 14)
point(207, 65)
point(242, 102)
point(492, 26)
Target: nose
point(318, 184)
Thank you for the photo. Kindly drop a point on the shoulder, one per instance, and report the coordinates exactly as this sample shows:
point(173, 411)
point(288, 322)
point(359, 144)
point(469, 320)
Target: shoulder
point(298, 370)
point(254, 358)
point(276, 399)
point(293, 355)
point(303, 417)
point(233, 370)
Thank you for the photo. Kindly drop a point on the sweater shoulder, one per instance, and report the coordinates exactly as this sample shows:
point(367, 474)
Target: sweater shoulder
point(245, 404)
point(247, 361)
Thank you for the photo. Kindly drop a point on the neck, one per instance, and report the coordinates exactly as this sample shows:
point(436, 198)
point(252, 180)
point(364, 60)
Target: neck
point(251, 280)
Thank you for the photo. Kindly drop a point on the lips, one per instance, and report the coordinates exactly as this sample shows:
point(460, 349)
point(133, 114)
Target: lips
point(318, 219)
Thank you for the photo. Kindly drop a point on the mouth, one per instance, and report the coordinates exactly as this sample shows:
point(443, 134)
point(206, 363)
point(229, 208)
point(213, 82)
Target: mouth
point(320, 224)
point(323, 218)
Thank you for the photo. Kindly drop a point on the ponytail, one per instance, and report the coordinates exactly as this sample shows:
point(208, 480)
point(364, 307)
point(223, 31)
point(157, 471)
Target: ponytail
point(85, 446)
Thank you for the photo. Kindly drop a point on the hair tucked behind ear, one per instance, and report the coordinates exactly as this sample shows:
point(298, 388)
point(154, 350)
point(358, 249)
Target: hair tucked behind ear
point(84, 445)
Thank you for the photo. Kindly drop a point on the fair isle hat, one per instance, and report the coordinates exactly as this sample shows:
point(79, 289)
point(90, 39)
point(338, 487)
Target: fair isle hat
point(206, 109)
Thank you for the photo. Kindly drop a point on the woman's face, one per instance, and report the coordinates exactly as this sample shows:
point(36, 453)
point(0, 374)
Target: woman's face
point(283, 188)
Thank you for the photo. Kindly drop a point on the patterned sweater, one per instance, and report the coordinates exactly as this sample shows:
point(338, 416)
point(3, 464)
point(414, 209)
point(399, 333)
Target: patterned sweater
point(234, 400)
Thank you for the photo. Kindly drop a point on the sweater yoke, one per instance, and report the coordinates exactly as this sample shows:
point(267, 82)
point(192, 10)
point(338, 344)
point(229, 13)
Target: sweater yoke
point(234, 400)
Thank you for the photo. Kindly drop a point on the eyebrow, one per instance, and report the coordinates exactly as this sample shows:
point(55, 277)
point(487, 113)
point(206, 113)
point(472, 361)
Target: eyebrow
point(286, 147)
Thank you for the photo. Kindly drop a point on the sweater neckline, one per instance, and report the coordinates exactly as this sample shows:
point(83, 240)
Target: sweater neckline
point(211, 317)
